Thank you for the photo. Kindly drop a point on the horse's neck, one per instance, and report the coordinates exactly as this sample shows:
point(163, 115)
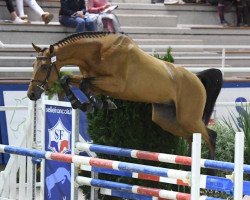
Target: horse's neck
point(69, 55)
point(85, 51)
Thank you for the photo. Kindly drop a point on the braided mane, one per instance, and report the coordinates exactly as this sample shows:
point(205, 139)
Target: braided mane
point(77, 36)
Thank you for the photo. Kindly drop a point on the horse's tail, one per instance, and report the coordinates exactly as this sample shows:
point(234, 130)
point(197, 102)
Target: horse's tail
point(212, 80)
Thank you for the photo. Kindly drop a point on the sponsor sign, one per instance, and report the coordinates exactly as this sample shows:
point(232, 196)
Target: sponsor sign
point(58, 136)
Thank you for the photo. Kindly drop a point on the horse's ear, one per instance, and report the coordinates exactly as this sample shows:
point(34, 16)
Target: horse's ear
point(38, 49)
point(51, 49)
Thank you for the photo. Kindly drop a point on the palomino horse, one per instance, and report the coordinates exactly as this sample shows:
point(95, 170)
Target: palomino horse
point(113, 65)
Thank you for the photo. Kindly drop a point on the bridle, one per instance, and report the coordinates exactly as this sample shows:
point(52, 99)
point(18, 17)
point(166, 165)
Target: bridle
point(44, 83)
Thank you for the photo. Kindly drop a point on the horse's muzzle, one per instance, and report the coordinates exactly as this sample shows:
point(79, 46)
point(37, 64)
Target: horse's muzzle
point(34, 95)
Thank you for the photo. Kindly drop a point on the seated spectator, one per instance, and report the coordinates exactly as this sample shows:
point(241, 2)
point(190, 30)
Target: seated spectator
point(22, 18)
point(45, 16)
point(105, 20)
point(72, 14)
point(15, 19)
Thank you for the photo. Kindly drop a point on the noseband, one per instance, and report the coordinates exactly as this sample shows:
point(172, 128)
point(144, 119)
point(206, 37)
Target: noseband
point(49, 67)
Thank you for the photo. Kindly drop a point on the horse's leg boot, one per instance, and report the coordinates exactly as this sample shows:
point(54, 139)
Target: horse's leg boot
point(85, 85)
point(85, 88)
point(85, 107)
point(97, 103)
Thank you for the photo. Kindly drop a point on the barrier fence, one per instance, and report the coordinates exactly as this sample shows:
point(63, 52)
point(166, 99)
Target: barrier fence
point(236, 186)
point(127, 167)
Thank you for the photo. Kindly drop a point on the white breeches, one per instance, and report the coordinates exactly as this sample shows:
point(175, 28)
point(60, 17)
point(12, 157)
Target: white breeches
point(32, 4)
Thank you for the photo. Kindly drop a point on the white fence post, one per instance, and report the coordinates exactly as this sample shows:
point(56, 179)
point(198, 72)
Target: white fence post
point(238, 165)
point(196, 169)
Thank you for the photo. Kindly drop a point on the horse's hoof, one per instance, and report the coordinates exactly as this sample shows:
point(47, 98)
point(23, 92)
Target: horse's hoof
point(110, 105)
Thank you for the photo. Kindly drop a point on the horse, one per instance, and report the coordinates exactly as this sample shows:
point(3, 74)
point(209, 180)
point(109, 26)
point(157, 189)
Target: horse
point(112, 64)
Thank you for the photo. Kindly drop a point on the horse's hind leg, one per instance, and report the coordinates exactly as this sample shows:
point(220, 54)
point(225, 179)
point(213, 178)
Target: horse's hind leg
point(165, 116)
point(189, 116)
point(212, 137)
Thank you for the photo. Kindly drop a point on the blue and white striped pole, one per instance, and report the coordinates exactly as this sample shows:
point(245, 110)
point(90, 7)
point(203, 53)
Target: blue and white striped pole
point(160, 157)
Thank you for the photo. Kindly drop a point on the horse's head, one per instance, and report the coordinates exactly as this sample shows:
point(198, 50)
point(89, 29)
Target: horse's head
point(45, 72)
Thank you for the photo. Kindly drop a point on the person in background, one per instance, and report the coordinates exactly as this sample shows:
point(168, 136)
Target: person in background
point(105, 20)
point(241, 13)
point(72, 14)
point(45, 16)
point(15, 19)
point(221, 12)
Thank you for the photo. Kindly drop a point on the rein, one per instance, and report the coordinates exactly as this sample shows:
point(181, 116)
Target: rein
point(49, 67)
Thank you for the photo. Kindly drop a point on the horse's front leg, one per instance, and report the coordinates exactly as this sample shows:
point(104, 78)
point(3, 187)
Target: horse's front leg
point(85, 87)
point(85, 107)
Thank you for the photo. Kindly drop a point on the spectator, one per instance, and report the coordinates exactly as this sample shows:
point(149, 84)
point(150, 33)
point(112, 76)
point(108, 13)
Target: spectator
point(14, 17)
point(221, 11)
point(72, 14)
point(241, 13)
point(45, 16)
point(105, 19)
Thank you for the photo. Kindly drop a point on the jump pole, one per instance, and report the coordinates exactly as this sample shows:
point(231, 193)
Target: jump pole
point(206, 182)
point(135, 189)
point(159, 157)
point(83, 160)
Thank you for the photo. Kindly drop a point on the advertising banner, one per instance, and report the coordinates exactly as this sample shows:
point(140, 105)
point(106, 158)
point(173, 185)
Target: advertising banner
point(58, 139)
